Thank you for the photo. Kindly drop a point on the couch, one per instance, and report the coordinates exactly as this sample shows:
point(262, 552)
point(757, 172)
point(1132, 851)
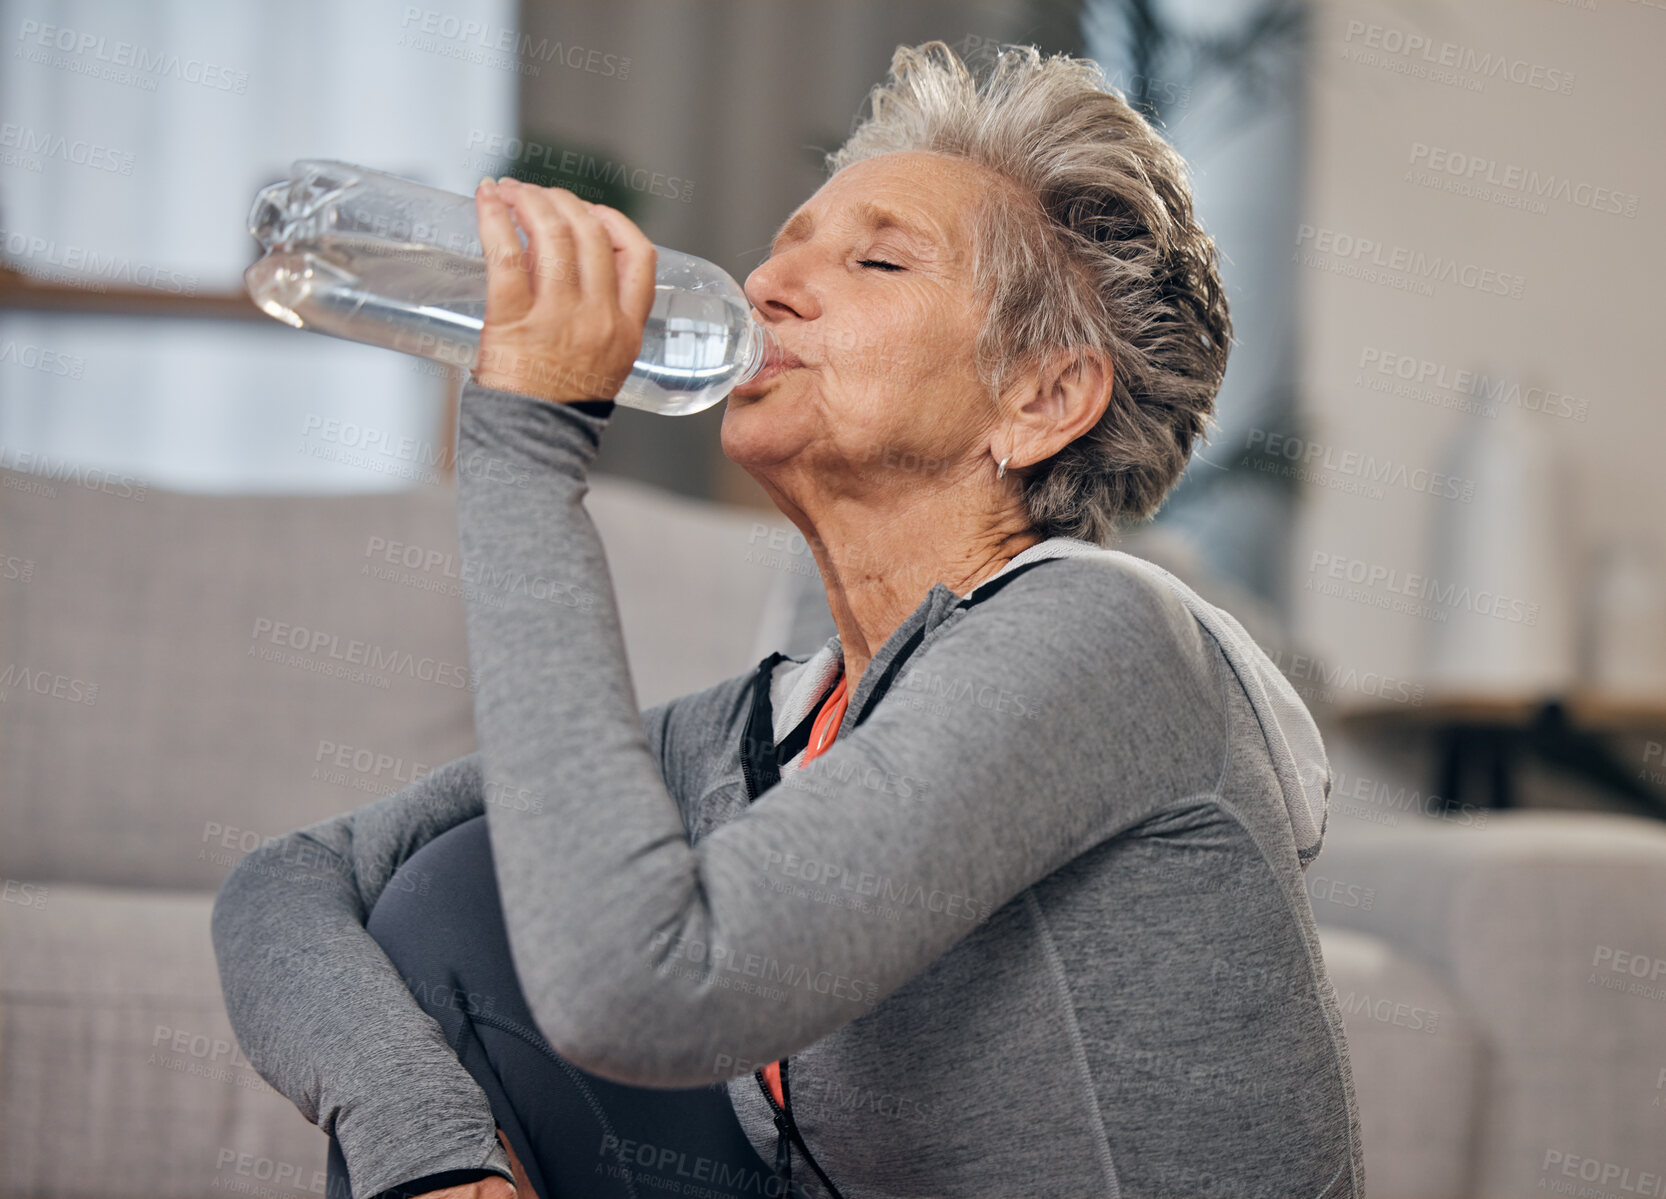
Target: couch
point(181, 682)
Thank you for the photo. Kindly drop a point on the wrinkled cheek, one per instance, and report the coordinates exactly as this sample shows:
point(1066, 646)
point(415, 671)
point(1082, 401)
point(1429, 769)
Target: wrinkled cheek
point(863, 396)
point(892, 364)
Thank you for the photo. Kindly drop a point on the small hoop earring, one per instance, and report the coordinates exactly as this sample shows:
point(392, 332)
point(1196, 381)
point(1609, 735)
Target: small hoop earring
point(1001, 471)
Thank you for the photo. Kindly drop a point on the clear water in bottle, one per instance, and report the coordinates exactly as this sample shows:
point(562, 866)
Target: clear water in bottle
point(374, 258)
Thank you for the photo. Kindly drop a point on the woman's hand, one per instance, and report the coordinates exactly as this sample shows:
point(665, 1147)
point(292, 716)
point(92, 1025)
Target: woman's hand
point(495, 1187)
point(523, 1185)
point(564, 316)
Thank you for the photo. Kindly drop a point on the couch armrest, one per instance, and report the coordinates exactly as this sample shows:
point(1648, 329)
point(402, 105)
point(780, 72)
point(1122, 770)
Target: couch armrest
point(1551, 928)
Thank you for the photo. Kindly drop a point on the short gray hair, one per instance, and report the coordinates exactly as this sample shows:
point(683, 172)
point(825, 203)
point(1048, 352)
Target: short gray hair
point(1096, 247)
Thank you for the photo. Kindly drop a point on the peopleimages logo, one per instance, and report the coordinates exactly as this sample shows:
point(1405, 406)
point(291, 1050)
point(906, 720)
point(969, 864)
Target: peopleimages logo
point(483, 37)
point(476, 581)
point(1654, 749)
point(80, 152)
point(571, 164)
point(1346, 253)
point(362, 445)
point(1365, 468)
point(879, 886)
point(46, 682)
point(77, 264)
point(37, 38)
point(1609, 1180)
point(39, 358)
point(771, 970)
point(1421, 51)
point(333, 762)
point(354, 652)
point(1473, 170)
point(1391, 799)
point(1389, 1011)
point(1305, 668)
point(1414, 587)
point(43, 469)
point(1467, 390)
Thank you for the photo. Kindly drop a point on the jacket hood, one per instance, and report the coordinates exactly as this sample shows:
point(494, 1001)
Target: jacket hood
point(1293, 741)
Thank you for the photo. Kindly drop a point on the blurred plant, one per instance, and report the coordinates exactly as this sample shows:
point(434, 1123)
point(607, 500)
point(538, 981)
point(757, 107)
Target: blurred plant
point(1208, 72)
point(1252, 55)
point(547, 161)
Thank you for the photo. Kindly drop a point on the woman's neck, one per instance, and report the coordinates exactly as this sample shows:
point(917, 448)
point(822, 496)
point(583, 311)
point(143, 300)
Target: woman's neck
point(882, 540)
point(875, 577)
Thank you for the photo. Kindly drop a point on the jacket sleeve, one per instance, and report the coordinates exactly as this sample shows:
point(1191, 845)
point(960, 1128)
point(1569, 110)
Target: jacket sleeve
point(320, 1011)
point(434, 1182)
point(657, 962)
point(324, 1016)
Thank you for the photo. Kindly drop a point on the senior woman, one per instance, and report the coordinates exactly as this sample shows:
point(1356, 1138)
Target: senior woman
point(998, 893)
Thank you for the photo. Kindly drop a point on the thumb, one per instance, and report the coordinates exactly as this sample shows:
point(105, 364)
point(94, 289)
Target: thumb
point(523, 1185)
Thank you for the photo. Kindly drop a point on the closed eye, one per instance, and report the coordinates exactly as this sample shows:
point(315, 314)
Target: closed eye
point(890, 266)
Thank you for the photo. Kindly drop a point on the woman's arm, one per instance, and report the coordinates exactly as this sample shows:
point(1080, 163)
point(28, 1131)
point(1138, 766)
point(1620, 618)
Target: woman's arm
point(324, 1016)
point(320, 1011)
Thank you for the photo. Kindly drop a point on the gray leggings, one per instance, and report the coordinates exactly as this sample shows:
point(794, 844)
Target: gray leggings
point(576, 1134)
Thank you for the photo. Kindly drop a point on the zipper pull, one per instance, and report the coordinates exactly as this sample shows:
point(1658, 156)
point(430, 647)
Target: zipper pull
point(783, 1152)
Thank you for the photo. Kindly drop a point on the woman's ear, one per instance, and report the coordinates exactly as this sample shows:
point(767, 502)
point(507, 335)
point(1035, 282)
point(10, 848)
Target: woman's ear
point(1066, 398)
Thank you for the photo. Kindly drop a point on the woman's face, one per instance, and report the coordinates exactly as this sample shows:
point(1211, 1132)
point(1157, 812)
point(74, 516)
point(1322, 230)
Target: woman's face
point(869, 285)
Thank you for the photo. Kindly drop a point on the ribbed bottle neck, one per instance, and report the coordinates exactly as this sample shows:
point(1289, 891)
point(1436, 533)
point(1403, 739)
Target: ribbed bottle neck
point(758, 346)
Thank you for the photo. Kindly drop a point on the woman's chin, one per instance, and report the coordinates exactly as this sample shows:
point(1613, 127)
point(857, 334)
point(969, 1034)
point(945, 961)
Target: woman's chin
point(754, 433)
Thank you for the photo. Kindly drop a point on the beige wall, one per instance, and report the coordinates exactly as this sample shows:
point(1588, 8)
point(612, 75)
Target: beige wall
point(1586, 325)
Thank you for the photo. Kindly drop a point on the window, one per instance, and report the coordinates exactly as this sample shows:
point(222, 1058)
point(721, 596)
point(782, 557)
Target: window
point(133, 142)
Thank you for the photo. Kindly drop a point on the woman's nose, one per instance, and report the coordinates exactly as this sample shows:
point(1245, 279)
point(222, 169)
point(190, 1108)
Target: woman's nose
point(776, 288)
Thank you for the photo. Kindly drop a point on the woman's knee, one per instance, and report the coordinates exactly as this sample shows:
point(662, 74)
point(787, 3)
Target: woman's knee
point(438, 899)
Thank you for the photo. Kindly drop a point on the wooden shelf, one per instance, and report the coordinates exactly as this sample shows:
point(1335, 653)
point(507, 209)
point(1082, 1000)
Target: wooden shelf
point(1587, 708)
point(20, 292)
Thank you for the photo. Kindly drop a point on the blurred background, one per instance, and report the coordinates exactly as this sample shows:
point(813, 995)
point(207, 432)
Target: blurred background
point(1432, 493)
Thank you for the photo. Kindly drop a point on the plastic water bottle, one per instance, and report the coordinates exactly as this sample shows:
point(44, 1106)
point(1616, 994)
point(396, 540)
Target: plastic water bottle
point(375, 258)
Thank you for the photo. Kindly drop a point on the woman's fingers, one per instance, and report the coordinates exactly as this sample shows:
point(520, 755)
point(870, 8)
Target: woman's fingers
point(553, 268)
point(635, 261)
point(565, 322)
point(598, 281)
point(592, 251)
point(507, 294)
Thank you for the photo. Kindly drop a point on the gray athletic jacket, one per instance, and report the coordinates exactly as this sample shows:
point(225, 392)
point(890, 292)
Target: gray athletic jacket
point(1034, 924)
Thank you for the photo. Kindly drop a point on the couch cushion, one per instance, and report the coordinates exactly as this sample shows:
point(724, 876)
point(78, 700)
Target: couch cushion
point(1416, 1055)
point(1550, 926)
point(689, 583)
point(119, 1073)
point(184, 665)
point(185, 675)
